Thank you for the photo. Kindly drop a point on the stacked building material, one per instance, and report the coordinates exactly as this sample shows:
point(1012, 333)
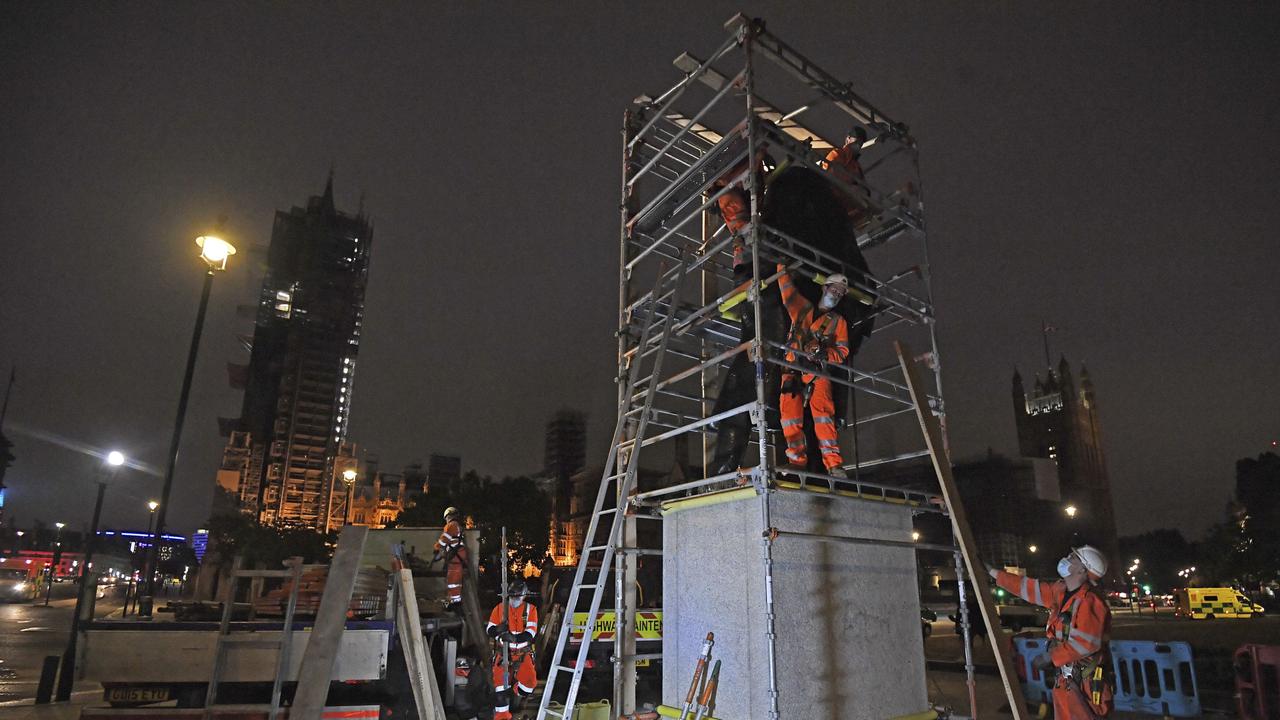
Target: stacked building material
point(368, 598)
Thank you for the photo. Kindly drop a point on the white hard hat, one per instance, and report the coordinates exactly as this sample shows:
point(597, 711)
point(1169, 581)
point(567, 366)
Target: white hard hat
point(837, 279)
point(1092, 559)
point(450, 512)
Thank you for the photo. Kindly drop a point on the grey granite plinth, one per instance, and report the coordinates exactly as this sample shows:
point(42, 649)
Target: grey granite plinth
point(847, 615)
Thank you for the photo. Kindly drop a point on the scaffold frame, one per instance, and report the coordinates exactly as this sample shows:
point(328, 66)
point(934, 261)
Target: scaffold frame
point(676, 165)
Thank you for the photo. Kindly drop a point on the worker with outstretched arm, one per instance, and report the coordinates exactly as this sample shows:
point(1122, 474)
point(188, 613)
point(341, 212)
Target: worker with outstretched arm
point(451, 547)
point(1079, 632)
point(845, 164)
point(817, 335)
point(521, 627)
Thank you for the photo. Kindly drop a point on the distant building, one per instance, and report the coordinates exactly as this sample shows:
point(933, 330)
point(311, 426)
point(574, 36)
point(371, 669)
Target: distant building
point(565, 454)
point(379, 501)
point(283, 454)
point(443, 470)
point(1058, 419)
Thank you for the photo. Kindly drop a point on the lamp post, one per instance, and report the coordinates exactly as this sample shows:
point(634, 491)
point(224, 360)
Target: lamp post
point(66, 675)
point(349, 479)
point(1071, 511)
point(214, 251)
point(52, 568)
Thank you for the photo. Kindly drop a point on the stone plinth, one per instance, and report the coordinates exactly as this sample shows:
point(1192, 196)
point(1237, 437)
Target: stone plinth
point(847, 615)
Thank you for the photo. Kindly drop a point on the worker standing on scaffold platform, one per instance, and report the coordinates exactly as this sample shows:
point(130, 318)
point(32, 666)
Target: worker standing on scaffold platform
point(1079, 633)
point(819, 334)
point(450, 546)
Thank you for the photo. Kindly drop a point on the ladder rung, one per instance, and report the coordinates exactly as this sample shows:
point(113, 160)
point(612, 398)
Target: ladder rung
point(565, 668)
point(549, 711)
point(594, 548)
point(585, 585)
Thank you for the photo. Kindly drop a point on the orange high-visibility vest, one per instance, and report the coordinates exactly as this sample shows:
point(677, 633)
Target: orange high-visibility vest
point(1079, 622)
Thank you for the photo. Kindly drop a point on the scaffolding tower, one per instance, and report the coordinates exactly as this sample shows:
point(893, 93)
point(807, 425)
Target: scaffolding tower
point(684, 318)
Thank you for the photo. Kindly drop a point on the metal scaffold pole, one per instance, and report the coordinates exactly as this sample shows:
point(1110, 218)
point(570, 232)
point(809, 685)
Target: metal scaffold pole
point(725, 132)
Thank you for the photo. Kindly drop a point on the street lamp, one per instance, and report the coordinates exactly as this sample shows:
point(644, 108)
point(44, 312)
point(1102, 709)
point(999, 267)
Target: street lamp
point(214, 251)
point(1071, 511)
point(915, 535)
point(66, 675)
point(1033, 548)
point(151, 514)
point(349, 479)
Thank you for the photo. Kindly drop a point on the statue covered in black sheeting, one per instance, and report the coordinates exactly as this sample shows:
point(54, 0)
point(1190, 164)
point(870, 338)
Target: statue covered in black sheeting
point(802, 204)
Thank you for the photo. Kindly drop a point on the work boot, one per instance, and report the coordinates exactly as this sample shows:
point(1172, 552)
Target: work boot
point(837, 471)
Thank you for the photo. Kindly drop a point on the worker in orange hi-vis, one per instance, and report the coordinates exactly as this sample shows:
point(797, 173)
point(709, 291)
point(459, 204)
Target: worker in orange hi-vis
point(844, 164)
point(817, 335)
point(1079, 633)
point(450, 546)
point(521, 627)
point(735, 209)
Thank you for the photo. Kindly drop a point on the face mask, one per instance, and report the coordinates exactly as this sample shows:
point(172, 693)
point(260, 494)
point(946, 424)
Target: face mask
point(517, 601)
point(828, 301)
point(1064, 567)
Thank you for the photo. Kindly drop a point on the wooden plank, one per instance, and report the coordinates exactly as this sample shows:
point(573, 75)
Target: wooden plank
point(960, 525)
point(422, 674)
point(331, 619)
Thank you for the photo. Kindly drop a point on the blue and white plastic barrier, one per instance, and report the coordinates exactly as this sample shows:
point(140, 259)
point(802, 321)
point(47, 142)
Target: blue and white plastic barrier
point(1150, 677)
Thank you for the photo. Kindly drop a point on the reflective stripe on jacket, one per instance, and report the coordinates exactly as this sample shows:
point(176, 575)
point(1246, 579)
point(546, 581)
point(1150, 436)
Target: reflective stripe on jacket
point(1079, 622)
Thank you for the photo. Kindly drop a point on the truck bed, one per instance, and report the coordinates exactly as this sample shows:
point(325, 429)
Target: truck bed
point(132, 652)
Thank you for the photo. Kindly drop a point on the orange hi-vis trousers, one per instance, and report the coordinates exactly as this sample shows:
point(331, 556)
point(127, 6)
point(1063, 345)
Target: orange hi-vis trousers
point(523, 676)
point(822, 406)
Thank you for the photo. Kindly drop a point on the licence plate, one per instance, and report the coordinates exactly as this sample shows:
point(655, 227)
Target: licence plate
point(142, 695)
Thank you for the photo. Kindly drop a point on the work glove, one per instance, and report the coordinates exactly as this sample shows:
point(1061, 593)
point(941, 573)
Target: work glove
point(1042, 662)
point(493, 631)
point(508, 637)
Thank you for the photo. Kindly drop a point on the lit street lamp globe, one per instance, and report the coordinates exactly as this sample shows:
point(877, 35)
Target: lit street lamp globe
point(1071, 511)
point(152, 505)
point(215, 251)
point(115, 458)
point(349, 476)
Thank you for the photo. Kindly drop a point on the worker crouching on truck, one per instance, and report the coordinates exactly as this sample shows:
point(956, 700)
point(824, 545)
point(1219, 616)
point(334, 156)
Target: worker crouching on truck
point(1079, 632)
point(515, 647)
point(450, 546)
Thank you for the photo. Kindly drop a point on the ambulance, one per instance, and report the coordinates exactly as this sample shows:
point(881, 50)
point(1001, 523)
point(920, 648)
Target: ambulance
point(1211, 603)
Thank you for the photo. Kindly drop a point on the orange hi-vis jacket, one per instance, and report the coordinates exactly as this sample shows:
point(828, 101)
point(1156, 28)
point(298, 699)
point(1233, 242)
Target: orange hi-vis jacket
point(450, 537)
point(521, 621)
point(1079, 622)
point(843, 164)
point(810, 332)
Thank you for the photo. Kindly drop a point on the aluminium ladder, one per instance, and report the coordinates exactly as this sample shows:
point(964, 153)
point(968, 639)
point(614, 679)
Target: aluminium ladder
point(617, 483)
point(227, 638)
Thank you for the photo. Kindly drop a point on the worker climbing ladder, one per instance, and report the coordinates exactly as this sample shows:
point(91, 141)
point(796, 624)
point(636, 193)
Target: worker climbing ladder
point(758, 118)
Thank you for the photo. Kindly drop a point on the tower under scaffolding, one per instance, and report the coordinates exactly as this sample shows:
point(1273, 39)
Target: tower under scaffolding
point(701, 350)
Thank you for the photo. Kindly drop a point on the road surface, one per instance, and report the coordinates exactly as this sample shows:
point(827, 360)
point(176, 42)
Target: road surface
point(34, 630)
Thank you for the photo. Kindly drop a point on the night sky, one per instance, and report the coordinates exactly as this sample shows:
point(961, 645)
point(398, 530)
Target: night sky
point(1112, 171)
